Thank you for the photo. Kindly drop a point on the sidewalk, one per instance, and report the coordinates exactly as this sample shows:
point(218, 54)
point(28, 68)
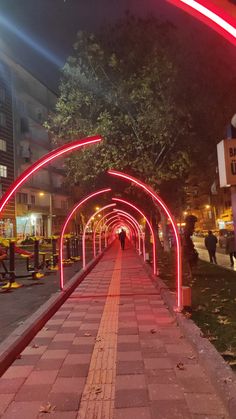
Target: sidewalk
point(113, 350)
point(223, 260)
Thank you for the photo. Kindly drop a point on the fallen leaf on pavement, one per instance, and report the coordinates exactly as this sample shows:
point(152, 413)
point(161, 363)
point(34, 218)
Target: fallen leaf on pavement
point(180, 366)
point(48, 408)
point(191, 357)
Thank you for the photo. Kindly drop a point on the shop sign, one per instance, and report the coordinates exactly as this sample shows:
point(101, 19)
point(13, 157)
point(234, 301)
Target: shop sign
point(226, 153)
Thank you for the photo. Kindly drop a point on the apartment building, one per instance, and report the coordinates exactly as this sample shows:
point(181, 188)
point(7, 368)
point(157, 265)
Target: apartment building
point(41, 204)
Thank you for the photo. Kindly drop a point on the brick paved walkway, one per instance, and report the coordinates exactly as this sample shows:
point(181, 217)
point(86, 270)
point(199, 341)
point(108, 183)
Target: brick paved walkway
point(112, 351)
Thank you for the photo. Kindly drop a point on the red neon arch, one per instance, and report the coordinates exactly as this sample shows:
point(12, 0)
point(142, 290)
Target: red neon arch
point(154, 195)
point(95, 230)
point(130, 223)
point(149, 225)
point(141, 235)
point(85, 228)
point(58, 152)
point(75, 208)
point(122, 224)
point(106, 217)
point(210, 14)
point(116, 224)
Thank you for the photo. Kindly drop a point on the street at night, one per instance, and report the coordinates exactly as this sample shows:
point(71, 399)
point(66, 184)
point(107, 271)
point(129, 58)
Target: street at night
point(118, 209)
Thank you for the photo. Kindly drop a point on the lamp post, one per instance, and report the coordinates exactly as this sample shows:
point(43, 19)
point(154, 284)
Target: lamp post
point(50, 215)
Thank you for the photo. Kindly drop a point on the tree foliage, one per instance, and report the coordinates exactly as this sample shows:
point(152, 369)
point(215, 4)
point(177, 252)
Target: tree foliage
point(122, 85)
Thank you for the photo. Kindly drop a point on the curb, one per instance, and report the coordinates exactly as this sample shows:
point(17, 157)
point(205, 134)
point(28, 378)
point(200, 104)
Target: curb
point(13, 345)
point(219, 372)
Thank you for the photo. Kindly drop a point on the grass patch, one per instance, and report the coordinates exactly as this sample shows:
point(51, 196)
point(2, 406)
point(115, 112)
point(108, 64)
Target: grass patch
point(213, 303)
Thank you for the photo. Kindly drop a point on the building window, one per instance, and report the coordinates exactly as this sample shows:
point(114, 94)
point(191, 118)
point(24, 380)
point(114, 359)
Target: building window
point(3, 119)
point(22, 198)
point(3, 145)
point(2, 94)
point(32, 199)
point(24, 125)
point(3, 170)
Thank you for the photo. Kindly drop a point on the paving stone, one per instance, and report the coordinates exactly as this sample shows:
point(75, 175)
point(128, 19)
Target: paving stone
point(190, 371)
point(41, 377)
point(129, 356)
point(18, 371)
point(10, 385)
point(32, 392)
point(84, 340)
point(68, 385)
point(157, 363)
point(133, 412)
point(128, 331)
point(131, 398)
point(130, 367)
point(66, 345)
point(179, 348)
point(34, 350)
point(62, 337)
point(55, 354)
point(74, 359)
point(48, 364)
point(88, 332)
point(63, 402)
point(133, 381)
point(26, 360)
point(75, 370)
point(5, 400)
point(170, 409)
point(127, 339)
point(204, 404)
point(196, 385)
point(128, 346)
point(165, 392)
point(160, 376)
point(20, 410)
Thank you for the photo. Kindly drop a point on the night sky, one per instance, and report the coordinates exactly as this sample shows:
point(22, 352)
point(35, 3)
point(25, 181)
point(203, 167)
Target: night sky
point(39, 34)
point(52, 25)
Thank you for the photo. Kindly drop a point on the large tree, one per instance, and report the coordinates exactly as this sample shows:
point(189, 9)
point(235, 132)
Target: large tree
point(122, 85)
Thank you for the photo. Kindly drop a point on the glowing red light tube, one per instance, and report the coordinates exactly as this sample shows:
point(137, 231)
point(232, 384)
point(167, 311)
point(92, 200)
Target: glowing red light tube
point(128, 220)
point(95, 230)
point(149, 225)
point(107, 219)
point(116, 224)
point(140, 232)
point(212, 15)
point(85, 228)
point(74, 209)
point(154, 195)
point(58, 152)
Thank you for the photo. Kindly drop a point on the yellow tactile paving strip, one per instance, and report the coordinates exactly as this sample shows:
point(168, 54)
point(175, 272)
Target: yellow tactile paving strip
point(97, 401)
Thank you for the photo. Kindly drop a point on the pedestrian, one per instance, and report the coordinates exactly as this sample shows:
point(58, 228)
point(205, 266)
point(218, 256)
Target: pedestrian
point(122, 237)
point(190, 254)
point(210, 244)
point(231, 248)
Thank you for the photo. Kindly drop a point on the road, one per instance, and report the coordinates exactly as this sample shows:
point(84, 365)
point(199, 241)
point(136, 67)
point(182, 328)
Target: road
point(222, 259)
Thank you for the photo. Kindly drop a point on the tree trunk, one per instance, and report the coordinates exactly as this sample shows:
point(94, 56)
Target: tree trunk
point(166, 243)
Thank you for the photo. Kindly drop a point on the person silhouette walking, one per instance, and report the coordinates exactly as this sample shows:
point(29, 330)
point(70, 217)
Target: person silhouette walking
point(122, 237)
